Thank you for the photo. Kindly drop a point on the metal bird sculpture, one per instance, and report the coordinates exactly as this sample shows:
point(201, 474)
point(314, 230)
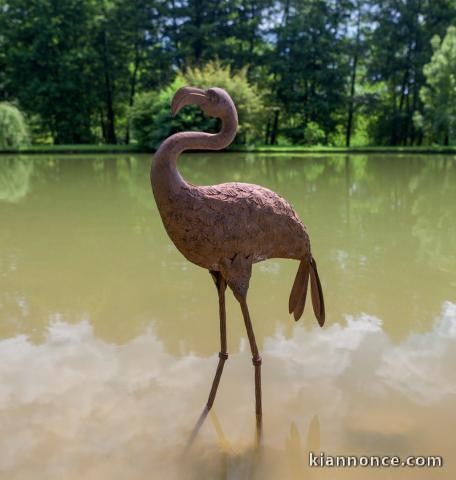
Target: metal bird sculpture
point(226, 228)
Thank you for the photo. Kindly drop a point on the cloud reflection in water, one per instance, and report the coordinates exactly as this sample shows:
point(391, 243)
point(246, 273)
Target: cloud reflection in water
point(77, 406)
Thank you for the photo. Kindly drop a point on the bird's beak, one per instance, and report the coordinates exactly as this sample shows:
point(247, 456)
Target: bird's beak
point(187, 96)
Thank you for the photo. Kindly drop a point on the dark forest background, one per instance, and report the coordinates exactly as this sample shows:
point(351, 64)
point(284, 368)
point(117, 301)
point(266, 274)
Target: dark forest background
point(326, 72)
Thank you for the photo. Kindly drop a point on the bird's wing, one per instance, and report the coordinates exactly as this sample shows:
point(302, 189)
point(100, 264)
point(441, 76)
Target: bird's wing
point(252, 202)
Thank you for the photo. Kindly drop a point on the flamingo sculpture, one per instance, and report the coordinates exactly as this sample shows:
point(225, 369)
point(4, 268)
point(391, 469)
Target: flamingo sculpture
point(226, 228)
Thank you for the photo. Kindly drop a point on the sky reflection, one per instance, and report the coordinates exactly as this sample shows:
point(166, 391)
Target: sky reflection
point(78, 406)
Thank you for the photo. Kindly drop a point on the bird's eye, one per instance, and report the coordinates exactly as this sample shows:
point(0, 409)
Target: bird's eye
point(213, 97)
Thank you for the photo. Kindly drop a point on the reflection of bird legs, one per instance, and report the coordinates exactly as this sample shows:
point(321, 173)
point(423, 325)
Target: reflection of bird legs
point(297, 455)
point(219, 431)
point(196, 428)
point(250, 459)
point(252, 456)
point(221, 436)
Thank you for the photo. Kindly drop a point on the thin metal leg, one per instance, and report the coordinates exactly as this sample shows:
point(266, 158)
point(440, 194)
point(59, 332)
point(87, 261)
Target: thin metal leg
point(223, 354)
point(256, 359)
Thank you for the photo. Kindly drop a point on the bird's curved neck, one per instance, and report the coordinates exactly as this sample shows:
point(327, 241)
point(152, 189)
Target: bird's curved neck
point(164, 171)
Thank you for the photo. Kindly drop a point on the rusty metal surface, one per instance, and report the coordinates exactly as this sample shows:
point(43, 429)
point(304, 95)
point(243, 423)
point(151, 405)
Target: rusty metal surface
point(226, 228)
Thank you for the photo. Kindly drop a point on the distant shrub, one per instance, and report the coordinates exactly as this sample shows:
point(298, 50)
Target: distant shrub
point(151, 118)
point(13, 128)
point(313, 134)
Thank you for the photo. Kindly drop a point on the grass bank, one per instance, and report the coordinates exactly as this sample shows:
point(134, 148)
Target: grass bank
point(320, 149)
point(94, 149)
point(70, 149)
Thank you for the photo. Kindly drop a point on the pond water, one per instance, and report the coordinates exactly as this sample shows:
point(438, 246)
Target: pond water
point(109, 337)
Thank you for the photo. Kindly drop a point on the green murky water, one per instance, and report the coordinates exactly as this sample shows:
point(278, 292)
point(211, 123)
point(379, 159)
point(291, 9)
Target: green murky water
point(108, 337)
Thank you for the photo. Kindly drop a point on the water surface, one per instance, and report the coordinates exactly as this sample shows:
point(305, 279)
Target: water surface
point(108, 336)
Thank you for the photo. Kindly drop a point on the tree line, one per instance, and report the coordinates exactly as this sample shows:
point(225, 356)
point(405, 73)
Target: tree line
point(335, 72)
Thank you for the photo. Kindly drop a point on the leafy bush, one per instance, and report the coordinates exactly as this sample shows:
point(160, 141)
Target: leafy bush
point(13, 128)
point(313, 134)
point(151, 118)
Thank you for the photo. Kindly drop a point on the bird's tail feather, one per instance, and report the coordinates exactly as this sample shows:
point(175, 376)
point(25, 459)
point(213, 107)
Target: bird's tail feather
point(299, 291)
point(307, 269)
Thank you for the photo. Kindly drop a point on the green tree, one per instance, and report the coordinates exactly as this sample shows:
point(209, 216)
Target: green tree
point(309, 70)
point(2, 63)
point(439, 93)
point(331, 67)
point(198, 30)
point(233, 31)
point(399, 48)
point(356, 50)
point(77, 64)
point(48, 63)
point(250, 31)
point(13, 127)
point(125, 43)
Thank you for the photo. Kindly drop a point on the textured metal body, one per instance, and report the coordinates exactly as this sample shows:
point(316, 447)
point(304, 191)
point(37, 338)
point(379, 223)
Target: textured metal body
point(226, 228)
point(221, 221)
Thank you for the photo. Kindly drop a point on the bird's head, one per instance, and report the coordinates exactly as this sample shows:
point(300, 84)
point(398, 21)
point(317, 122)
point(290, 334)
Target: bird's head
point(214, 101)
